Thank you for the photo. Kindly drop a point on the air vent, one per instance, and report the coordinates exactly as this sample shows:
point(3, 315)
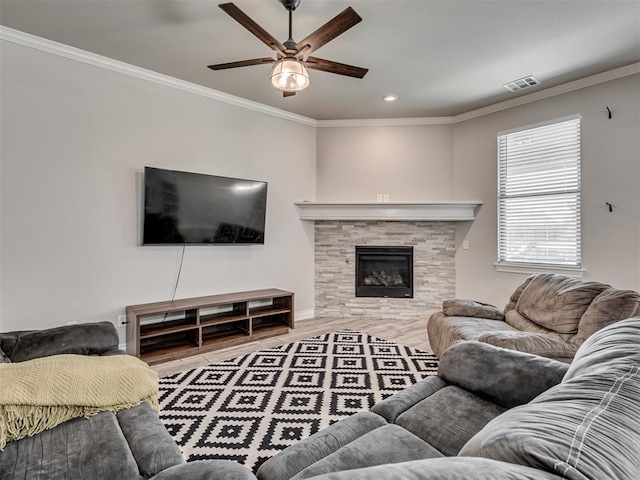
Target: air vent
point(521, 84)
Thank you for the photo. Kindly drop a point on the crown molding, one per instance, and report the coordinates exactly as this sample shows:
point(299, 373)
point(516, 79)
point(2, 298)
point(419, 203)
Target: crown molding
point(386, 122)
point(49, 46)
point(38, 43)
point(621, 72)
point(616, 73)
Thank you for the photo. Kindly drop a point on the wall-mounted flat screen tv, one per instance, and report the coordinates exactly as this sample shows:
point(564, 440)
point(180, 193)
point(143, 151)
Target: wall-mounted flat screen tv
point(192, 208)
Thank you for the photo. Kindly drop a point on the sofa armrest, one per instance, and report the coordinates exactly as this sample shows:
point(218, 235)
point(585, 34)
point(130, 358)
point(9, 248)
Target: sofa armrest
point(82, 339)
point(149, 441)
point(471, 308)
point(206, 470)
point(390, 408)
point(529, 342)
point(505, 377)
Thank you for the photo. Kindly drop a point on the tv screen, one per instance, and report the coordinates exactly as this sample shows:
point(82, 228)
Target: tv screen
point(193, 208)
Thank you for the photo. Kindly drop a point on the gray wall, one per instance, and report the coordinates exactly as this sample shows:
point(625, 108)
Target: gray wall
point(408, 163)
point(610, 173)
point(458, 162)
point(75, 139)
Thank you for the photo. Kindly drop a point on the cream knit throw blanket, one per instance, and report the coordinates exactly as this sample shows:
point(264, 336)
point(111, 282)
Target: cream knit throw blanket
point(39, 394)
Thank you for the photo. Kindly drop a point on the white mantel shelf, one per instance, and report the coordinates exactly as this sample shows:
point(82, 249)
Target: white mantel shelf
point(428, 212)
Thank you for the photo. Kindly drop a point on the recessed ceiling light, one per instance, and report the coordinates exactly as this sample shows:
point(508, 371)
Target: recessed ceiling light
point(390, 98)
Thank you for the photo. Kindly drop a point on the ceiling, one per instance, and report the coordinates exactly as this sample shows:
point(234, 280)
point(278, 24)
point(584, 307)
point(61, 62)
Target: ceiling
point(440, 57)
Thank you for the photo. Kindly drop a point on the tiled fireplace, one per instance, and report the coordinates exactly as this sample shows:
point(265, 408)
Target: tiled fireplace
point(433, 245)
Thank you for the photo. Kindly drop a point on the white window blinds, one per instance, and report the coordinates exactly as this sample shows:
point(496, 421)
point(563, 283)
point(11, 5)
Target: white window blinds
point(539, 195)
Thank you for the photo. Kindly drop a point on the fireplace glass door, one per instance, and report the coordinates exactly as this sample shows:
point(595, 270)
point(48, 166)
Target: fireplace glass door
point(384, 272)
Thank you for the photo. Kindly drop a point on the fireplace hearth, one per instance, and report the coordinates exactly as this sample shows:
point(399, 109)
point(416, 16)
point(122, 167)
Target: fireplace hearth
point(384, 271)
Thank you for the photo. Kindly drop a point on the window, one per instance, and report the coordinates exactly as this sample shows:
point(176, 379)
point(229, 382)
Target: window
point(539, 196)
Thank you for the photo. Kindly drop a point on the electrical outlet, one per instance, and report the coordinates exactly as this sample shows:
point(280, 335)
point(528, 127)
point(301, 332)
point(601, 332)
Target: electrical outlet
point(465, 244)
point(385, 197)
point(379, 197)
point(122, 320)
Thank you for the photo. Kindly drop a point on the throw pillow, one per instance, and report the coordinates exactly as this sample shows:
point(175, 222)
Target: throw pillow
point(471, 308)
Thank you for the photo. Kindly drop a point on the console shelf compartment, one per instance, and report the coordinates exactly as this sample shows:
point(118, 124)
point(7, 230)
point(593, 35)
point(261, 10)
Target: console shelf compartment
point(164, 327)
point(164, 331)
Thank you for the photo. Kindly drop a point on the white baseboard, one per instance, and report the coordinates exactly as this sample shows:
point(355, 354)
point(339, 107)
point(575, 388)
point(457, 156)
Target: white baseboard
point(304, 315)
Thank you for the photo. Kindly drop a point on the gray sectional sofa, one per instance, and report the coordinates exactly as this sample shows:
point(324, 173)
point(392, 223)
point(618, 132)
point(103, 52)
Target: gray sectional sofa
point(492, 413)
point(548, 314)
point(131, 444)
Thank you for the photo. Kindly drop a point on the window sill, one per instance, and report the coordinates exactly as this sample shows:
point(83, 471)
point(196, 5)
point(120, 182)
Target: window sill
point(530, 269)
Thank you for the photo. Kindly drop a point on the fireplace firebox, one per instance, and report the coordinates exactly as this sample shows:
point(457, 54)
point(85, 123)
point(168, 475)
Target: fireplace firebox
point(384, 272)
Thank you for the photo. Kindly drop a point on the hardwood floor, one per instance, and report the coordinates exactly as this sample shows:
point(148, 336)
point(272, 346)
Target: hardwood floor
point(412, 333)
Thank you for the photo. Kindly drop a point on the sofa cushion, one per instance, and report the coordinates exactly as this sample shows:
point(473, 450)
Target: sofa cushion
point(515, 296)
point(391, 407)
point(387, 444)
point(557, 302)
point(587, 427)
point(518, 322)
point(3, 357)
point(491, 372)
point(304, 453)
point(80, 449)
point(617, 344)
point(81, 339)
point(207, 470)
point(536, 343)
point(449, 418)
point(445, 331)
point(471, 308)
point(447, 468)
point(608, 307)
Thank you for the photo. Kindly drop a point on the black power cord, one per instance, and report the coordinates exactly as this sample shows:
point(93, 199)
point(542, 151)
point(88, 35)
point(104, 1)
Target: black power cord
point(175, 288)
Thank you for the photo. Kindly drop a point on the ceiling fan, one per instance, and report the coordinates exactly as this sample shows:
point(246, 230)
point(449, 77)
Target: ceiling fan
point(289, 72)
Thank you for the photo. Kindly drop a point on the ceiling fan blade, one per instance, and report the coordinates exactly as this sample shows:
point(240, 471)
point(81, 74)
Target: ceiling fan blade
point(330, 30)
point(244, 20)
point(288, 94)
point(334, 67)
point(242, 63)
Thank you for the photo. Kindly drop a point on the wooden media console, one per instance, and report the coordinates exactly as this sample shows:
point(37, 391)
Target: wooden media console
point(164, 331)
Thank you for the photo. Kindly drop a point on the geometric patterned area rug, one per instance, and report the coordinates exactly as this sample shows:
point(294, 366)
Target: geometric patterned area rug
point(249, 408)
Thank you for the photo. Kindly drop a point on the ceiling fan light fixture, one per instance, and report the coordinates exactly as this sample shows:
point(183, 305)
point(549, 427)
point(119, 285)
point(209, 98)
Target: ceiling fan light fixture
point(289, 75)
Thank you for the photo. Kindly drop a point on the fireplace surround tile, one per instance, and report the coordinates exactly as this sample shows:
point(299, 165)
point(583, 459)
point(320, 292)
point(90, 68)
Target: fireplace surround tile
point(434, 267)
